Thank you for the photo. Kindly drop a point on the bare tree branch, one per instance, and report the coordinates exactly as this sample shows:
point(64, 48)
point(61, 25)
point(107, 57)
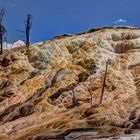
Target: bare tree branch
point(21, 31)
point(2, 13)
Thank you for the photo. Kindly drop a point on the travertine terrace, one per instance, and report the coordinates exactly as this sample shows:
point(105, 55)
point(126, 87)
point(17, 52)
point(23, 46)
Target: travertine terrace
point(46, 94)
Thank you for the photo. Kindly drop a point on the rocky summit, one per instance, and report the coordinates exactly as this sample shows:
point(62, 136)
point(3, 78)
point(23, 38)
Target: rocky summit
point(58, 91)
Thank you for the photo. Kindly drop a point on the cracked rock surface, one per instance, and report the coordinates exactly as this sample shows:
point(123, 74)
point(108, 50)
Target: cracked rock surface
point(47, 94)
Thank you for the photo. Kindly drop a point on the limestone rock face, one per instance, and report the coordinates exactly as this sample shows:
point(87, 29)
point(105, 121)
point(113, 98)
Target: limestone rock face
point(54, 92)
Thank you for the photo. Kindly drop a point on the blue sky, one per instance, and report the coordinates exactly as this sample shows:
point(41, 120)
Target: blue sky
point(54, 17)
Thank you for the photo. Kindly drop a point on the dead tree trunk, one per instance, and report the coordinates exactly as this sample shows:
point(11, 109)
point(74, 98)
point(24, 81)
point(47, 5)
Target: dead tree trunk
point(1, 41)
point(2, 30)
point(74, 100)
point(91, 98)
point(102, 93)
point(28, 26)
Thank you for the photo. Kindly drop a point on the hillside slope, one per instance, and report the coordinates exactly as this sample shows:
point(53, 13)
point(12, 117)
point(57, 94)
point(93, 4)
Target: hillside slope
point(47, 94)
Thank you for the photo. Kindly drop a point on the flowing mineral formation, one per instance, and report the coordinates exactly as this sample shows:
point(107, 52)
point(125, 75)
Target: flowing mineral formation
point(54, 92)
